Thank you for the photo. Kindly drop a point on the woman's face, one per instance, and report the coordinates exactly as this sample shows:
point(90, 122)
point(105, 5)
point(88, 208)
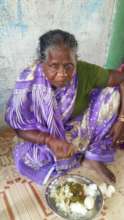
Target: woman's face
point(60, 66)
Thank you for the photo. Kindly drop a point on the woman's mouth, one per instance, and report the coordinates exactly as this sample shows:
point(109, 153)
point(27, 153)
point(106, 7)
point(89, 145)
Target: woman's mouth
point(60, 82)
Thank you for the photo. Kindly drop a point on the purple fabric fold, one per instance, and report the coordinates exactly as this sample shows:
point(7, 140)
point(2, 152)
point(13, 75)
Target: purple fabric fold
point(35, 105)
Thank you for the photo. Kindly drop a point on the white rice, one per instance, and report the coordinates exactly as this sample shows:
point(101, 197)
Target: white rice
point(63, 202)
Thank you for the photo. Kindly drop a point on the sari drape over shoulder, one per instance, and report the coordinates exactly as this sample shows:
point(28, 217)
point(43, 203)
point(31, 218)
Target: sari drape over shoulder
point(35, 105)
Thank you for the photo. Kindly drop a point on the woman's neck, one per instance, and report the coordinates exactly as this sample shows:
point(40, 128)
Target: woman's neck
point(54, 87)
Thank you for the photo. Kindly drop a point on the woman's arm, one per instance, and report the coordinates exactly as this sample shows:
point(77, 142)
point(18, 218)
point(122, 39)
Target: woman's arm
point(61, 148)
point(34, 136)
point(116, 78)
point(121, 113)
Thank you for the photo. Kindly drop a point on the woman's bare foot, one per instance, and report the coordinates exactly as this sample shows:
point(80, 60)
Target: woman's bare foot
point(102, 169)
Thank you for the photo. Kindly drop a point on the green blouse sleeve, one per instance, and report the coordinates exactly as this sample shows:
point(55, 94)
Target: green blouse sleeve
point(94, 76)
point(89, 76)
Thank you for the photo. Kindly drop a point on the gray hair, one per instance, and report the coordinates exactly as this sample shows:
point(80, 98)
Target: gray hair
point(56, 38)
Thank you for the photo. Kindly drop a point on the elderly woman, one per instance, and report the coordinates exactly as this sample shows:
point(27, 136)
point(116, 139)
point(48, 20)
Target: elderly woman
point(62, 112)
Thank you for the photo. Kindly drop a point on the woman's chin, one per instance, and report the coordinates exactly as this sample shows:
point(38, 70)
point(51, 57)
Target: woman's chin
point(60, 84)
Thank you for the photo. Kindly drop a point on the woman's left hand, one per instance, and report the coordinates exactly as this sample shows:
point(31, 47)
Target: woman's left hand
point(117, 131)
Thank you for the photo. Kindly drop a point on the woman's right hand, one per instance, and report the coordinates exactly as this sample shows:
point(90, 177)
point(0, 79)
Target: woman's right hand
point(61, 148)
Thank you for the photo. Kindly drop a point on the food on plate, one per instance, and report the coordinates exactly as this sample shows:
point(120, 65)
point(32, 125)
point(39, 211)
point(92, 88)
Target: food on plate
point(107, 190)
point(89, 202)
point(74, 197)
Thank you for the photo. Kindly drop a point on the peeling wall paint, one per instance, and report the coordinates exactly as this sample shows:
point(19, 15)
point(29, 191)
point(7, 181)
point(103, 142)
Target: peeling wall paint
point(23, 21)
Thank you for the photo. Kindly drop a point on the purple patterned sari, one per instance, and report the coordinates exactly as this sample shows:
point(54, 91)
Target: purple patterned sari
point(34, 105)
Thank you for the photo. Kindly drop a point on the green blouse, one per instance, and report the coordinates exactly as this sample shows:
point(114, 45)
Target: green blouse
point(89, 76)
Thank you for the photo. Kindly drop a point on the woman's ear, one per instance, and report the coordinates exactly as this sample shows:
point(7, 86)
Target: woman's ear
point(76, 57)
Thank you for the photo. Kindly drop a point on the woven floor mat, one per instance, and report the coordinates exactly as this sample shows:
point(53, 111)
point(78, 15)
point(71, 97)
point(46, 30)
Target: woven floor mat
point(21, 199)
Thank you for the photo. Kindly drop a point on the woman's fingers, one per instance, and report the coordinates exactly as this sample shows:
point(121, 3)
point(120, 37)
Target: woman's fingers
point(111, 133)
point(114, 139)
point(63, 149)
point(69, 151)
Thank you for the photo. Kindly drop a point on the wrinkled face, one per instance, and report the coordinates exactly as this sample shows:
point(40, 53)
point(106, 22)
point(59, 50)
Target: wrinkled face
point(60, 66)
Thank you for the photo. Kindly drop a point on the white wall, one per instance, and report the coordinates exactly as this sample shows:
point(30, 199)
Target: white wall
point(23, 21)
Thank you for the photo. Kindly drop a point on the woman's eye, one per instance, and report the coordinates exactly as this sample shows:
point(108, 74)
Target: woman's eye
point(69, 67)
point(54, 66)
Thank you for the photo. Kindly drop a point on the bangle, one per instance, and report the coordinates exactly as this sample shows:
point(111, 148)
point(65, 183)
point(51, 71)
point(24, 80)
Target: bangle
point(121, 118)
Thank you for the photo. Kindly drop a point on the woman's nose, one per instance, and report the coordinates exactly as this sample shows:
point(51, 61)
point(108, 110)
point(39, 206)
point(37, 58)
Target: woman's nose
point(61, 70)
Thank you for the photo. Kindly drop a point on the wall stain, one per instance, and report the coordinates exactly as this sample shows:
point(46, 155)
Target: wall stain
point(92, 6)
point(10, 20)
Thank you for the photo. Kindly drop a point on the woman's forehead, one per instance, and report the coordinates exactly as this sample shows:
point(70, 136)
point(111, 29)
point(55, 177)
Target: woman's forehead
point(60, 54)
